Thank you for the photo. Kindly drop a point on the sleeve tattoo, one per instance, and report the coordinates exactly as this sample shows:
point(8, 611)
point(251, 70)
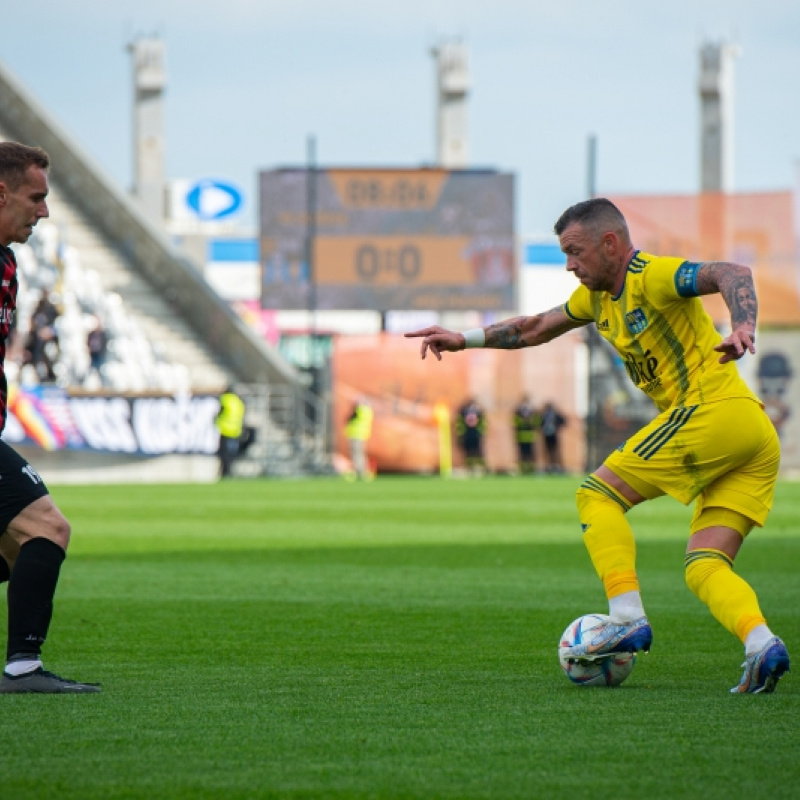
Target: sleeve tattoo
point(511, 334)
point(735, 284)
point(506, 335)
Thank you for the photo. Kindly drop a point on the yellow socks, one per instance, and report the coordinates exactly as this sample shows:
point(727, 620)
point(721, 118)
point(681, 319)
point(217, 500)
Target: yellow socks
point(710, 575)
point(608, 536)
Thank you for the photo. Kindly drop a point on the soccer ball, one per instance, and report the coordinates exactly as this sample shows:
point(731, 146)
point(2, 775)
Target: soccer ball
point(608, 671)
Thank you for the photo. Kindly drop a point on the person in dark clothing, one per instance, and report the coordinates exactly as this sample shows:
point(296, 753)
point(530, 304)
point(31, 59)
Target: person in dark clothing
point(42, 344)
point(527, 422)
point(552, 423)
point(470, 430)
point(97, 345)
point(34, 534)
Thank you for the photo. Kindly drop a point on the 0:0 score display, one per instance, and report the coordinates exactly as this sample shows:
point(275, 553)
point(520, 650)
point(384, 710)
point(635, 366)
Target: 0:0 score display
point(386, 260)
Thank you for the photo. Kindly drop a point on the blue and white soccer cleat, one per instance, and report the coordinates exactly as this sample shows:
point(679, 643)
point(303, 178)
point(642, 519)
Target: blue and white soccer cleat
point(614, 637)
point(763, 669)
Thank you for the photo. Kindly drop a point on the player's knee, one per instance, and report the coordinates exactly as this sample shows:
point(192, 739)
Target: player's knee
point(584, 500)
point(700, 565)
point(56, 528)
point(62, 533)
point(596, 495)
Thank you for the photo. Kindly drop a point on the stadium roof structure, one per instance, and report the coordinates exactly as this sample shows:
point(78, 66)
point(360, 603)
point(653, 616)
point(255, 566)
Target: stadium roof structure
point(118, 218)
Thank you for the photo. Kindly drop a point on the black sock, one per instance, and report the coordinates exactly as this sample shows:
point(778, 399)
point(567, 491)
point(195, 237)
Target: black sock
point(30, 595)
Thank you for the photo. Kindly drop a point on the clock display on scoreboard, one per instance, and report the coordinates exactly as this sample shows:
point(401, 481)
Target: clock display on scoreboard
point(387, 239)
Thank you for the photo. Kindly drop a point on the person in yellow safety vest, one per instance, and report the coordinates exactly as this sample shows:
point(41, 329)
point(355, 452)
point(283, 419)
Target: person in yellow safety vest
point(358, 429)
point(229, 422)
point(527, 421)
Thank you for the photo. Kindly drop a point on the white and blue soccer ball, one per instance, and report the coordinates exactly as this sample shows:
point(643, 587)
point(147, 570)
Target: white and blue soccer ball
point(609, 671)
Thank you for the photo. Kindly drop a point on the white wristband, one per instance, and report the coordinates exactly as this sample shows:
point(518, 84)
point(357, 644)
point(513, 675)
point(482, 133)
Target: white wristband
point(475, 337)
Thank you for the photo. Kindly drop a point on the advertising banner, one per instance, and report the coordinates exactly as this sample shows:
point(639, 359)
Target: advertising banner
point(51, 418)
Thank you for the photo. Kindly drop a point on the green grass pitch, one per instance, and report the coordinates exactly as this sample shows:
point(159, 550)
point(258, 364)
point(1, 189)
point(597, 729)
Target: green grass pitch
point(319, 639)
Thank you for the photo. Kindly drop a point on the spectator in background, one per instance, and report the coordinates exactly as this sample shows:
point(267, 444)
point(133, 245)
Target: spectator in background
point(97, 344)
point(527, 422)
point(230, 423)
point(470, 430)
point(552, 423)
point(358, 430)
point(41, 349)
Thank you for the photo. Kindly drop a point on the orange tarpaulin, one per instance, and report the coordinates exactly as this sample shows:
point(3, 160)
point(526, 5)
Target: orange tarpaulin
point(756, 229)
point(404, 390)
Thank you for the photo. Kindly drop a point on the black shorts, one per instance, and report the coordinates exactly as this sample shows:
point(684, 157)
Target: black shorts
point(20, 485)
point(472, 444)
point(526, 451)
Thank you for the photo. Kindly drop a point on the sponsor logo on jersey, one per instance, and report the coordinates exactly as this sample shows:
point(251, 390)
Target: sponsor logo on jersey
point(603, 325)
point(31, 473)
point(643, 370)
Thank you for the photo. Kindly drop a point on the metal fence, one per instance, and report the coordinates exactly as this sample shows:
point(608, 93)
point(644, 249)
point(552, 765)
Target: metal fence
point(291, 432)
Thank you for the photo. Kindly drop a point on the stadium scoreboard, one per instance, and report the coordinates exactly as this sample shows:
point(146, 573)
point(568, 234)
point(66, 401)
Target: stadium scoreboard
point(387, 239)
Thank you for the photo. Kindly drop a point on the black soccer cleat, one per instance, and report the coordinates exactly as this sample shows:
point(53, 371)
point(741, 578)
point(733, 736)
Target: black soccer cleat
point(40, 681)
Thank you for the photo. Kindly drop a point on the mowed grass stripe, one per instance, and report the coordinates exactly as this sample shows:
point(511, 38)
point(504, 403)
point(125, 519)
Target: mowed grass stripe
point(400, 644)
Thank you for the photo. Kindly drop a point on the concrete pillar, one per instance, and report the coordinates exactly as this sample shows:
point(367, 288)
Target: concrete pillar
point(452, 87)
point(716, 116)
point(149, 79)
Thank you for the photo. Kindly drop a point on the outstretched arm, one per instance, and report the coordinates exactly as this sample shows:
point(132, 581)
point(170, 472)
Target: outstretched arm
point(735, 283)
point(510, 334)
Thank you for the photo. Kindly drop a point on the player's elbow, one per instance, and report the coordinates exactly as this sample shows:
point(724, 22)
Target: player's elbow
point(743, 271)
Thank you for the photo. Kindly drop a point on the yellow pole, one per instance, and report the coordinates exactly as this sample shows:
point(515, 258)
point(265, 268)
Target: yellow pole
point(441, 413)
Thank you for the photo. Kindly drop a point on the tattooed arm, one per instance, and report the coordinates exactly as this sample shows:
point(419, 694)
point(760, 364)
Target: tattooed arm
point(510, 334)
point(735, 283)
point(517, 332)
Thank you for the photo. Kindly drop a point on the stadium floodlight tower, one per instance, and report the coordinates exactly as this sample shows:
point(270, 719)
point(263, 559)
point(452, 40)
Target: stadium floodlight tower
point(716, 116)
point(149, 79)
point(452, 82)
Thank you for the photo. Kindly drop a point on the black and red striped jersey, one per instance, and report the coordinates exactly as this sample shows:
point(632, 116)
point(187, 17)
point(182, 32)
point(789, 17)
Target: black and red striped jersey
point(8, 304)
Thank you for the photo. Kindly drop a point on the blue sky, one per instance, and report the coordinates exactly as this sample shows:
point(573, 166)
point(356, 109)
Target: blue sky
point(250, 80)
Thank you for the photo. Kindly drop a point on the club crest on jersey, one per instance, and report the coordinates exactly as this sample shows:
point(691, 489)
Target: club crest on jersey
point(636, 321)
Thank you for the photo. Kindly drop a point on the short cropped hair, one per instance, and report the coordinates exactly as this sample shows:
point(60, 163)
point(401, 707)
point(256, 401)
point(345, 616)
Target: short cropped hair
point(15, 158)
point(595, 214)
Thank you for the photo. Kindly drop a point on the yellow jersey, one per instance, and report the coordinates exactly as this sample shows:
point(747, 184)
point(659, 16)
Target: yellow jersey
point(666, 338)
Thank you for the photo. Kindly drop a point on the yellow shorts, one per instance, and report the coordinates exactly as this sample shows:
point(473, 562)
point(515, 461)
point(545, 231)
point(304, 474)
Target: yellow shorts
point(725, 454)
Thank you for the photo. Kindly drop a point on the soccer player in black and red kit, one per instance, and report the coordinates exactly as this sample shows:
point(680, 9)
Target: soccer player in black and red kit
point(34, 534)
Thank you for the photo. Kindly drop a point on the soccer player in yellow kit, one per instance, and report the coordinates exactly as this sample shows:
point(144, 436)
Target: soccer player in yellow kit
point(712, 442)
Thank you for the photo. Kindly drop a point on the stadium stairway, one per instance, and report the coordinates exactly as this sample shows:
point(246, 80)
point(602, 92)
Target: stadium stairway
point(150, 313)
point(167, 296)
